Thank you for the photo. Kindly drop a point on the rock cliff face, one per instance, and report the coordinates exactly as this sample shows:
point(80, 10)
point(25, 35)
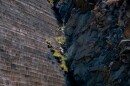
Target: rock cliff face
point(97, 45)
point(94, 31)
point(24, 56)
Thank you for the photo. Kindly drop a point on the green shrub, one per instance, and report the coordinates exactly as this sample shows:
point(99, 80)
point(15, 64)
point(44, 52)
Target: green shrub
point(64, 67)
point(62, 58)
point(51, 2)
point(60, 40)
point(57, 54)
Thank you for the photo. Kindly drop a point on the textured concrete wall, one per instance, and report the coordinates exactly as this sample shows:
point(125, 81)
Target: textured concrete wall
point(24, 26)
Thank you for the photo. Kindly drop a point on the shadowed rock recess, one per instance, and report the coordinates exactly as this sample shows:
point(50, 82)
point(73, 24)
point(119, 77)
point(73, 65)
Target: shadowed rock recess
point(98, 42)
point(25, 59)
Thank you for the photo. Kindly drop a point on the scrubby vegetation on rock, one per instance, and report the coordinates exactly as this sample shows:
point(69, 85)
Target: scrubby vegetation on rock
point(59, 56)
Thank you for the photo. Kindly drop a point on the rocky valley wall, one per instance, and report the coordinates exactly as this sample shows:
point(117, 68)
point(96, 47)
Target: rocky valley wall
point(94, 31)
point(25, 59)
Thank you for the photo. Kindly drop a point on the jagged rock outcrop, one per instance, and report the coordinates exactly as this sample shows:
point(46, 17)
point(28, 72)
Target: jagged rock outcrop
point(93, 43)
point(25, 60)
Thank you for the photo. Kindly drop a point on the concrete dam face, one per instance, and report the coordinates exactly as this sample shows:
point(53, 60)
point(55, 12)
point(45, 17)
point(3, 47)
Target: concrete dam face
point(24, 56)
